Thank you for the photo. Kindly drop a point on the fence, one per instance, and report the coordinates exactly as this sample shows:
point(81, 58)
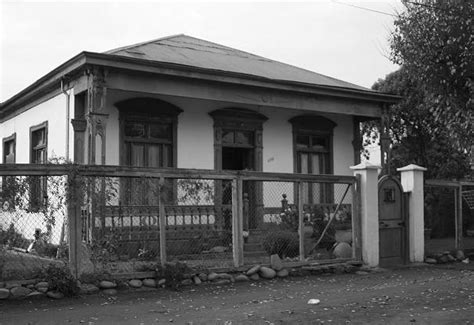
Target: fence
point(449, 216)
point(123, 219)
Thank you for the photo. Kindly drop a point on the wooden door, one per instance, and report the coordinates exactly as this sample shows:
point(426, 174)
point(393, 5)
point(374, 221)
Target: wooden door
point(392, 222)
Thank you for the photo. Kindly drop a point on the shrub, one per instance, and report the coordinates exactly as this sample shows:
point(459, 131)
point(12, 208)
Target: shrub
point(283, 243)
point(60, 279)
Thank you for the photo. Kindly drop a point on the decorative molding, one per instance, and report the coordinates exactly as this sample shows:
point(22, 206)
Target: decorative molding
point(79, 125)
point(96, 90)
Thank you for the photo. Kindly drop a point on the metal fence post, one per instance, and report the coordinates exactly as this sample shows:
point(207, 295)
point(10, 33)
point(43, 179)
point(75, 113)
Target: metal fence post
point(162, 222)
point(75, 224)
point(301, 220)
point(237, 222)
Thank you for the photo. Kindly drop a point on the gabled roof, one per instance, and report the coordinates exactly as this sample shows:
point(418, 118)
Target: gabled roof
point(190, 51)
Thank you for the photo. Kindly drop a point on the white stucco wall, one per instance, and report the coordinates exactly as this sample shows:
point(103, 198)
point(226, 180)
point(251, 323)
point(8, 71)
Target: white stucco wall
point(53, 111)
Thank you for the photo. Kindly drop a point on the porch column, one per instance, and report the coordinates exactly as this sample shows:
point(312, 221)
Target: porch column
point(412, 182)
point(369, 211)
point(96, 116)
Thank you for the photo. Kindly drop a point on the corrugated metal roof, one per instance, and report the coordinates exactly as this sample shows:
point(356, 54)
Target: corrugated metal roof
point(191, 51)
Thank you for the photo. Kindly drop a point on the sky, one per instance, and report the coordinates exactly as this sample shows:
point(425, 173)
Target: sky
point(329, 37)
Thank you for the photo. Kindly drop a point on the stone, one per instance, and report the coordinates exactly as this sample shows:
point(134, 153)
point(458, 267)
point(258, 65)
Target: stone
point(241, 278)
point(55, 294)
point(12, 285)
point(342, 250)
point(42, 284)
point(43, 289)
point(283, 273)
point(187, 282)
point(4, 293)
point(443, 259)
point(267, 273)
point(223, 281)
point(275, 262)
point(107, 284)
point(430, 260)
point(254, 277)
point(466, 260)
point(20, 292)
point(225, 276)
point(110, 292)
point(35, 294)
point(135, 283)
point(161, 282)
point(212, 276)
point(87, 288)
point(203, 276)
point(460, 255)
point(150, 283)
point(197, 280)
point(451, 258)
point(31, 286)
point(254, 269)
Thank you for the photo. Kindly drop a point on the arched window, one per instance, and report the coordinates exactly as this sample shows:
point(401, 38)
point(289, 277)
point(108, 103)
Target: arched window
point(313, 153)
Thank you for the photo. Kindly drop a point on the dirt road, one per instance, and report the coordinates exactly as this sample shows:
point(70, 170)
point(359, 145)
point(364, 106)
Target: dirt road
point(421, 295)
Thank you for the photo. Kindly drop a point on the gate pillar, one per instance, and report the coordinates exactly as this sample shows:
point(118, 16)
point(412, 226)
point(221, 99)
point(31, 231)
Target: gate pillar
point(369, 211)
point(412, 182)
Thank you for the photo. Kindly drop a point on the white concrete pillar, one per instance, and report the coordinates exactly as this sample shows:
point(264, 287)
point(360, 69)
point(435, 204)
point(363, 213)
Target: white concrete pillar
point(412, 182)
point(369, 211)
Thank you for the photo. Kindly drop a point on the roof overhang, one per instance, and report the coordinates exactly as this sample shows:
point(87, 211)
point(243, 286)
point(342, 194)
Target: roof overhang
point(78, 63)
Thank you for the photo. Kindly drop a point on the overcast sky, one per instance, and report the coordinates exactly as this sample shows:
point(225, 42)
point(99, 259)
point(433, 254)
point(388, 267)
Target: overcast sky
point(329, 37)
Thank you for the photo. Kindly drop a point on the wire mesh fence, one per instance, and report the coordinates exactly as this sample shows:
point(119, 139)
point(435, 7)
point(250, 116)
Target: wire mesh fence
point(131, 221)
point(33, 227)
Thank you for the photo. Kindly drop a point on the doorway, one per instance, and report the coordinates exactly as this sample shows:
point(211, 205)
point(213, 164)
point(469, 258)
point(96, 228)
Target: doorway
point(392, 223)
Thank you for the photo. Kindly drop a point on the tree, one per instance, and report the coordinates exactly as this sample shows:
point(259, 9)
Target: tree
point(417, 135)
point(433, 41)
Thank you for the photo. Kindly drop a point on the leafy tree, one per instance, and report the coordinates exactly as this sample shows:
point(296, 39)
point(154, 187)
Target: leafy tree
point(433, 41)
point(417, 135)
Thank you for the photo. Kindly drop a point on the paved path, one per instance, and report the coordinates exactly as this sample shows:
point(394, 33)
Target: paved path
point(421, 295)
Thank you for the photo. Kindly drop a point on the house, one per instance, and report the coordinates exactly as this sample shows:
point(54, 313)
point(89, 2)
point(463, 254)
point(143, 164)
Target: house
point(183, 102)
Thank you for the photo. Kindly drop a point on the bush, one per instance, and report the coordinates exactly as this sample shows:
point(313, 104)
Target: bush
point(283, 243)
point(60, 279)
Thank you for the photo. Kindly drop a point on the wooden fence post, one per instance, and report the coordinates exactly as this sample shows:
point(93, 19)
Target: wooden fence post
point(301, 220)
point(356, 220)
point(162, 223)
point(237, 222)
point(75, 223)
point(458, 216)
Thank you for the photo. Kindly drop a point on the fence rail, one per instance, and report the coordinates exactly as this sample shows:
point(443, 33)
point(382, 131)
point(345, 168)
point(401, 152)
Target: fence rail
point(228, 224)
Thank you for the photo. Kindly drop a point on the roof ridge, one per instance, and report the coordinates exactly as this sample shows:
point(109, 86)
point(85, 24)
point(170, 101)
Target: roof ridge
point(141, 43)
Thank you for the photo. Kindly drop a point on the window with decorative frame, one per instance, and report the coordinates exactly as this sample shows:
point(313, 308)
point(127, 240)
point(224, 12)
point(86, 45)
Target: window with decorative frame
point(148, 138)
point(9, 149)
point(313, 154)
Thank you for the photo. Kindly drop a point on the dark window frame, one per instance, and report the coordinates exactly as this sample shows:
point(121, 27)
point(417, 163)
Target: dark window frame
point(314, 126)
point(38, 185)
point(11, 138)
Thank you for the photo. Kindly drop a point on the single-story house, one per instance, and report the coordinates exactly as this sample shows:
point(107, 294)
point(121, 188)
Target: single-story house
point(183, 102)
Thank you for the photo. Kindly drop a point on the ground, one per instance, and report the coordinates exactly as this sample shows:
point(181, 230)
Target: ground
point(422, 295)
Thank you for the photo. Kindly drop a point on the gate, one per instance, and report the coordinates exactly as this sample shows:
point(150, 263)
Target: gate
point(392, 222)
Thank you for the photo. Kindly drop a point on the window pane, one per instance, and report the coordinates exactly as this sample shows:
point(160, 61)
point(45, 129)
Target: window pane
point(167, 156)
point(302, 141)
point(38, 138)
point(137, 155)
point(242, 137)
point(227, 137)
point(161, 131)
point(315, 164)
point(303, 167)
point(319, 143)
point(134, 130)
point(154, 156)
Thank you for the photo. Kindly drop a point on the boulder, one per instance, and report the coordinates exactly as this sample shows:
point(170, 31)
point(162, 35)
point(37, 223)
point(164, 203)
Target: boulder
point(254, 269)
point(42, 284)
point(225, 276)
point(43, 289)
point(107, 284)
point(283, 273)
point(267, 273)
point(135, 283)
point(87, 288)
point(4, 293)
point(197, 280)
point(110, 292)
point(187, 282)
point(212, 276)
point(55, 294)
point(223, 281)
point(20, 292)
point(430, 260)
point(203, 276)
point(275, 262)
point(150, 283)
point(460, 255)
point(35, 294)
point(254, 277)
point(241, 278)
point(342, 250)
point(161, 282)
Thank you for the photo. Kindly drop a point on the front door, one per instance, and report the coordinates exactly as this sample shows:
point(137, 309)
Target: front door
point(392, 222)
